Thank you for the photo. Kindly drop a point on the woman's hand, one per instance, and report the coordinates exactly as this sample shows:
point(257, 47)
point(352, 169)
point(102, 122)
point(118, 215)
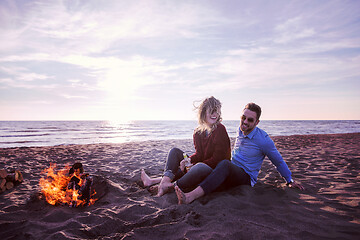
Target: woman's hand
point(182, 165)
point(186, 163)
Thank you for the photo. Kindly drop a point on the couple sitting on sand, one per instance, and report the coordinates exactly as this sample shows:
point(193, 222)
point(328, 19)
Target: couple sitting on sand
point(213, 164)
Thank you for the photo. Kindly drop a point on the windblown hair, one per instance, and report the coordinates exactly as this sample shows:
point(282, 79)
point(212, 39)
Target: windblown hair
point(210, 104)
point(255, 108)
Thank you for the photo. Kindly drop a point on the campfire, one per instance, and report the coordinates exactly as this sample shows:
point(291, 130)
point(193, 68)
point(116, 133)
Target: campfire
point(69, 186)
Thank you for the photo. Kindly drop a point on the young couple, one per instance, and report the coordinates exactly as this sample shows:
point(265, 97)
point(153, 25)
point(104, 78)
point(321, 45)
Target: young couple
point(213, 164)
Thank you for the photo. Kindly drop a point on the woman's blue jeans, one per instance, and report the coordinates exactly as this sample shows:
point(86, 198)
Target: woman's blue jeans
point(226, 175)
point(192, 178)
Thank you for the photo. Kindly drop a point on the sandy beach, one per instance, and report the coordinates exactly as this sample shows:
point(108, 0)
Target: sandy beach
point(327, 166)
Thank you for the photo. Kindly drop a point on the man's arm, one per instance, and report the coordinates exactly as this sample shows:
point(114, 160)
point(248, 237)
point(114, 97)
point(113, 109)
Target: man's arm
point(275, 157)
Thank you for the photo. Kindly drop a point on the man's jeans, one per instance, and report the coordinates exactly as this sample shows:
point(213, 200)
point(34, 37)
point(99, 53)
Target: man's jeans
point(226, 174)
point(192, 178)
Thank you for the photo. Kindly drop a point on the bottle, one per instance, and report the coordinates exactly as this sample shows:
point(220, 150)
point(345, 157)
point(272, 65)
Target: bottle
point(187, 162)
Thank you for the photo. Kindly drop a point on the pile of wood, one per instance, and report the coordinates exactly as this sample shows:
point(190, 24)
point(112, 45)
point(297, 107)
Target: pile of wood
point(9, 180)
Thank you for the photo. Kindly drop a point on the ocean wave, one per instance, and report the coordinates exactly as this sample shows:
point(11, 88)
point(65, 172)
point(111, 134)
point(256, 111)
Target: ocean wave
point(21, 142)
point(29, 135)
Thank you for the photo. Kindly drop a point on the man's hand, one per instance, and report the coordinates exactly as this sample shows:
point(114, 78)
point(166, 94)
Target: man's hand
point(296, 185)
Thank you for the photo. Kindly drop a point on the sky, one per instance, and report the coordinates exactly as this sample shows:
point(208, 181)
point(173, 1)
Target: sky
point(126, 60)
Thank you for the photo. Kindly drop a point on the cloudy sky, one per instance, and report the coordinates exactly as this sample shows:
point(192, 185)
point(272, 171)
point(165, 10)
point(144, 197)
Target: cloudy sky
point(128, 59)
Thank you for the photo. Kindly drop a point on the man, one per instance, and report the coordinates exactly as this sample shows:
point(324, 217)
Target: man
point(251, 146)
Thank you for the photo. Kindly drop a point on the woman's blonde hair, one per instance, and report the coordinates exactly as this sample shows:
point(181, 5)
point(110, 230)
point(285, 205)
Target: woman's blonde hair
point(210, 104)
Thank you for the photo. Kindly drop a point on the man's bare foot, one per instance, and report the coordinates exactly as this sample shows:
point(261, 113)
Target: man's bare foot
point(186, 198)
point(180, 195)
point(165, 186)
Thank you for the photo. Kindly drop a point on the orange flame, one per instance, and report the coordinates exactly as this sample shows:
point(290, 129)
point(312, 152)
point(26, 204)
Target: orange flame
point(55, 188)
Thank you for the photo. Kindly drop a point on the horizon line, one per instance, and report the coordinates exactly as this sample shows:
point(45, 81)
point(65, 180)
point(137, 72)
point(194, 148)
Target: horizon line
point(107, 120)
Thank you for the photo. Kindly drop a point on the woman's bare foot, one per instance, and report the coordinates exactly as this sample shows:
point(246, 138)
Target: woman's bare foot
point(148, 181)
point(154, 189)
point(145, 178)
point(165, 186)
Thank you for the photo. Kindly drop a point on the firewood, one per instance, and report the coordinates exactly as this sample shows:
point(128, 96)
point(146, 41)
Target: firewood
point(3, 173)
point(3, 188)
point(21, 178)
point(2, 182)
point(9, 185)
point(13, 177)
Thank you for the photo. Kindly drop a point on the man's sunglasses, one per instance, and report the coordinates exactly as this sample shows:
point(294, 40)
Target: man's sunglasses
point(250, 120)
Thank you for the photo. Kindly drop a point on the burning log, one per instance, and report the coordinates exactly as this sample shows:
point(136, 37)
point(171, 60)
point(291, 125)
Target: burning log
point(9, 180)
point(85, 190)
point(80, 182)
point(77, 168)
point(74, 183)
point(69, 187)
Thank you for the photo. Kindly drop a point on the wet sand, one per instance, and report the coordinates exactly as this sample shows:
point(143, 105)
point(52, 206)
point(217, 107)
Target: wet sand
point(326, 165)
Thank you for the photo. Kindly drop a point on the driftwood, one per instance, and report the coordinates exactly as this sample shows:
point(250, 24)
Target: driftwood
point(9, 180)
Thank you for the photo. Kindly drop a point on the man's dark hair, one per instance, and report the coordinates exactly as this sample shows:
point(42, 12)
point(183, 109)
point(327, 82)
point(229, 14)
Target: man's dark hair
point(255, 108)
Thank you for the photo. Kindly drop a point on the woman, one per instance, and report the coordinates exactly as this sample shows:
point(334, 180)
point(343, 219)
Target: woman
point(212, 144)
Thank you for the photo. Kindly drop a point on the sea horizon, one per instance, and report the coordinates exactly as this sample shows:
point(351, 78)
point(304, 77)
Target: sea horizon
point(112, 120)
point(23, 133)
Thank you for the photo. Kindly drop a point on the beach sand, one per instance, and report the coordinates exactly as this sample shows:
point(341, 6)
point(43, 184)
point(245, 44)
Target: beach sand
point(326, 165)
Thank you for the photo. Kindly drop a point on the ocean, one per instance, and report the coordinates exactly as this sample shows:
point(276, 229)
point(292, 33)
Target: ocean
point(51, 133)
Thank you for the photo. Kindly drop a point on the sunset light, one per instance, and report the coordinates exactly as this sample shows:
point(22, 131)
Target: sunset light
point(91, 59)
